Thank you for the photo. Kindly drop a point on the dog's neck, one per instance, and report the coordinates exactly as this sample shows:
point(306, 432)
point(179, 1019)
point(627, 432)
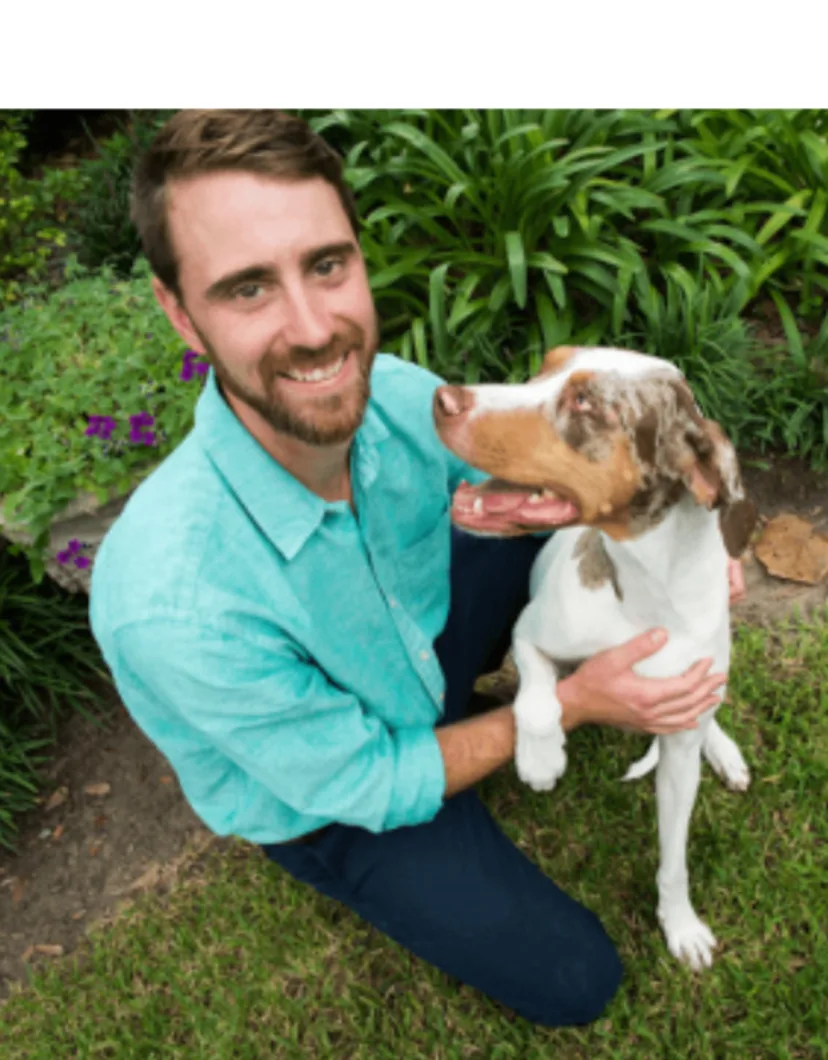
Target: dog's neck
point(675, 574)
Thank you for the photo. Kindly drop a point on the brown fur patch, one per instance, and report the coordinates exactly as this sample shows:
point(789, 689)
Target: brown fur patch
point(522, 446)
point(554, 360)
point(737, 522)
point(595, 568)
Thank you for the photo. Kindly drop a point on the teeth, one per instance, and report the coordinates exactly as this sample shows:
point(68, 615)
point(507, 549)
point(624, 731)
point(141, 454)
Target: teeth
point(318, 375)
point(536, 499)
point(478, 506)
point(550, 493)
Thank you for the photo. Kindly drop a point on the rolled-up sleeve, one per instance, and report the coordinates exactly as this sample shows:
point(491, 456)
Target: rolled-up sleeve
point(284, 725)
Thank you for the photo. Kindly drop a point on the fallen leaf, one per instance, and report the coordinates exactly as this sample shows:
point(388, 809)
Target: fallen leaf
point(94, 849)
point(45, 833)
point(149, 878)
point(80, 913)
point(27, 954)
point(98, 789)
point(57, 798)
point(58, 832)
point(17, 890)
point(49, 950)
point(793, 549)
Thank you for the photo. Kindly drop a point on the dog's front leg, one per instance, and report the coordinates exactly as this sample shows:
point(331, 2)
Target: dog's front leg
point(677, 781)
point(540, 757)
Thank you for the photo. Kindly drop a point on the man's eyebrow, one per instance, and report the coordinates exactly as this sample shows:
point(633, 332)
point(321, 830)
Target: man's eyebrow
point(251, 274)
point(267, 274)
point(346, 249)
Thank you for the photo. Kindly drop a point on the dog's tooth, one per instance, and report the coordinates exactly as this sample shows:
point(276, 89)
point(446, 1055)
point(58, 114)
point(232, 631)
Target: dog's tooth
point(536, 499)
point(478, 506)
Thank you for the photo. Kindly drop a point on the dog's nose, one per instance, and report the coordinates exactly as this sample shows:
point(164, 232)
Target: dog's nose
point(453, 400)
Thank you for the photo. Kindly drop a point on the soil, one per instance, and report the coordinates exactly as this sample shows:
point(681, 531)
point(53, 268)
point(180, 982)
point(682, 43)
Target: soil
point(81, 861)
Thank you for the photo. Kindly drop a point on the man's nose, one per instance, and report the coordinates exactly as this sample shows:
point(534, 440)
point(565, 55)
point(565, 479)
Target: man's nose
point(308, 322)
point(452, 401)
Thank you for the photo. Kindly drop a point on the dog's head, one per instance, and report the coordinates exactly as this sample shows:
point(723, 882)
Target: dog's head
point(600, 437)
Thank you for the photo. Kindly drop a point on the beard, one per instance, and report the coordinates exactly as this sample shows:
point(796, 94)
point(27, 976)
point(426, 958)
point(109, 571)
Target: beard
point(327, 419)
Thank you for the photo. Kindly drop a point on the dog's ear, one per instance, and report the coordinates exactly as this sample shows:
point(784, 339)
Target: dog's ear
point(710, 468)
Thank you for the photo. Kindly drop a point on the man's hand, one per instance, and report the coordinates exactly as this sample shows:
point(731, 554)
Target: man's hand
point(736, 580)
point(605, 690)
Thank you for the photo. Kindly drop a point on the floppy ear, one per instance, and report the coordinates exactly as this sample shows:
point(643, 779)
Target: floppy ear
point(710, 469)
point(713, 478)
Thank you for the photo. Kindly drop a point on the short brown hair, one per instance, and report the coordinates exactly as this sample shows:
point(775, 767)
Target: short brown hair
point(192, 142)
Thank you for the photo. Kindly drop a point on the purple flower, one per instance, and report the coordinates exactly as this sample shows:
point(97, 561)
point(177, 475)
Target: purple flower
point(72, 550)
point(102, 426)
point(189, 367)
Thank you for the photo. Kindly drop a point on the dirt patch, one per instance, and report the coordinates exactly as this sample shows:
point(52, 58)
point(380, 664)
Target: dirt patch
point(78, 861)
point(140, 831)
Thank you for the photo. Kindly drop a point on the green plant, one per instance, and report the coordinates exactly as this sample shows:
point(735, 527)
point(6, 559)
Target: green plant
point(493, 235)
point(29, 225)
point(97, 347)
point(99, 222)
point(47, 658)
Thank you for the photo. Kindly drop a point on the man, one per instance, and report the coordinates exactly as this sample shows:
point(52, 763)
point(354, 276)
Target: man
point(286, 610)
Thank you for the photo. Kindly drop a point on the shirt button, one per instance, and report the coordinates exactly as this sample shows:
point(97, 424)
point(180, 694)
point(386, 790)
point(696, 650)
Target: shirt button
point(424, 655)
point(442, 696)
point(392, 602)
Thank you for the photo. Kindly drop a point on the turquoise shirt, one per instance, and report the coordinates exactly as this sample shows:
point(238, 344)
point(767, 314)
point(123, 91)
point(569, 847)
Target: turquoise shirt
point(276, 648)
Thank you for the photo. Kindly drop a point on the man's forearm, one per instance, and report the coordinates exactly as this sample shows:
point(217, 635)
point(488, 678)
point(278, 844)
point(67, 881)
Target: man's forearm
point(476, 747)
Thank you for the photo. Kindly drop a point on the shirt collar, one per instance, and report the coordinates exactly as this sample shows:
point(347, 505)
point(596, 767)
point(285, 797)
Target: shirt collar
point(286, 511)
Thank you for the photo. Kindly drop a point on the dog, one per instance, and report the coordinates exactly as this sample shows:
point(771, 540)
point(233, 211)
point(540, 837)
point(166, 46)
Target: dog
point(609, 448)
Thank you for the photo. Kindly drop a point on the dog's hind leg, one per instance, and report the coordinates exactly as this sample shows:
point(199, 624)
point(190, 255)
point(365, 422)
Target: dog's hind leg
point(677, 781)
point(725, 757)
point(540, 757)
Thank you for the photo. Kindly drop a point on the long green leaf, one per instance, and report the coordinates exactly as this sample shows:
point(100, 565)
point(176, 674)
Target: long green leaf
point(516, 259)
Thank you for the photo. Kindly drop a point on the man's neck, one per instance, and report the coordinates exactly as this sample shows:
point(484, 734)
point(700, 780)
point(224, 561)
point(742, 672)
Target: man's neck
point(324, 469)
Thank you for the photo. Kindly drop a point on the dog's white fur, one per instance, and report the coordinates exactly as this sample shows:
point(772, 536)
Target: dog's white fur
point(673, 576)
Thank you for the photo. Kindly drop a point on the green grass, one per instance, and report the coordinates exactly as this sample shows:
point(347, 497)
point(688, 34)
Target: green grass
point(240, 961)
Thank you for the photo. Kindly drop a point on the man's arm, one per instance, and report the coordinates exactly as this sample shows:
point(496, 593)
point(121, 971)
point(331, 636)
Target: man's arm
point(604, 691)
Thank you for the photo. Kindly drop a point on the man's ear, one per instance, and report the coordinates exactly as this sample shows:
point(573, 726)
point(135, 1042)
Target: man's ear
point(177, 315)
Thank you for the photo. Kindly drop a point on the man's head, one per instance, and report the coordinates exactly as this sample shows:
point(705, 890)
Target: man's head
point(252, 235)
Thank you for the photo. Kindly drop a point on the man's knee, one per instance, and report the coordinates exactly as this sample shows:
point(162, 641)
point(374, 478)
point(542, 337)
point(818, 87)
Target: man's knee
point(583, 983)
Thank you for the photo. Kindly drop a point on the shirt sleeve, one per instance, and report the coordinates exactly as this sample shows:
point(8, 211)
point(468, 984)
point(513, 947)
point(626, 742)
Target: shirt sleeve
point(280, 720)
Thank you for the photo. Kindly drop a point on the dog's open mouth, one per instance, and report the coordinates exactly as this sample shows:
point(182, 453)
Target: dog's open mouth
point(496, 507)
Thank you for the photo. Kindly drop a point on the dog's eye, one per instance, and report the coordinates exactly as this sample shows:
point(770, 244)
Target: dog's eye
point(581, 401)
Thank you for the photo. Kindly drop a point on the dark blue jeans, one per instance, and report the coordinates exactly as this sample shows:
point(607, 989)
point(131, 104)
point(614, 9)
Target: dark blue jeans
point(456, 891)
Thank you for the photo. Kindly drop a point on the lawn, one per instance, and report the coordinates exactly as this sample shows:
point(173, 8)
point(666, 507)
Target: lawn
point(240, 961)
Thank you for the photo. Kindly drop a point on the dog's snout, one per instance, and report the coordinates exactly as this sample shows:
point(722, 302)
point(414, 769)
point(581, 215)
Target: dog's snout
point(453, 400)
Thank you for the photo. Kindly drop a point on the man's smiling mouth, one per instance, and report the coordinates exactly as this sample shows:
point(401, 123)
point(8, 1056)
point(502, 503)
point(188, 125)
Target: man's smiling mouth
point(323, 374)
point(318, 375)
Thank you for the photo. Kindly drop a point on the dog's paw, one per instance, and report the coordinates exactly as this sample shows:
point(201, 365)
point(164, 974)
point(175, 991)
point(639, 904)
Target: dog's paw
point(540, 759)
point(689, 939)
point(726, 760)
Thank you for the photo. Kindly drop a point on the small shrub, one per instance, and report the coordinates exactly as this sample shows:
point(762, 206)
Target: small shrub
point(47, 659)
point(29, 212)
point(94, 349)
point(99, 222)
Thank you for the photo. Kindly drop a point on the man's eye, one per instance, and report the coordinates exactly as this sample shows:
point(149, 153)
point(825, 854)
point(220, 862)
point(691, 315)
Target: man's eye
point(328, 266)
point(248, 291)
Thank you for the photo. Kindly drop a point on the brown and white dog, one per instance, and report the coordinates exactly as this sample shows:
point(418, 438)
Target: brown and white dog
point(610, 444)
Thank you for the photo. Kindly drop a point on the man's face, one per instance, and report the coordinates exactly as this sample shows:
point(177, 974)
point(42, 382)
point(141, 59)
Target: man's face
point(275, 293)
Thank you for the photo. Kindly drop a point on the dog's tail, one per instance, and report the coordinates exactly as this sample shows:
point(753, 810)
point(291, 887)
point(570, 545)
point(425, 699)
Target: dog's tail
point(644, 765)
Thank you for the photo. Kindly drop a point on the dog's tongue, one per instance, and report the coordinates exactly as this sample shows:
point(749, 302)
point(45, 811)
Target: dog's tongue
point(493, 508)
